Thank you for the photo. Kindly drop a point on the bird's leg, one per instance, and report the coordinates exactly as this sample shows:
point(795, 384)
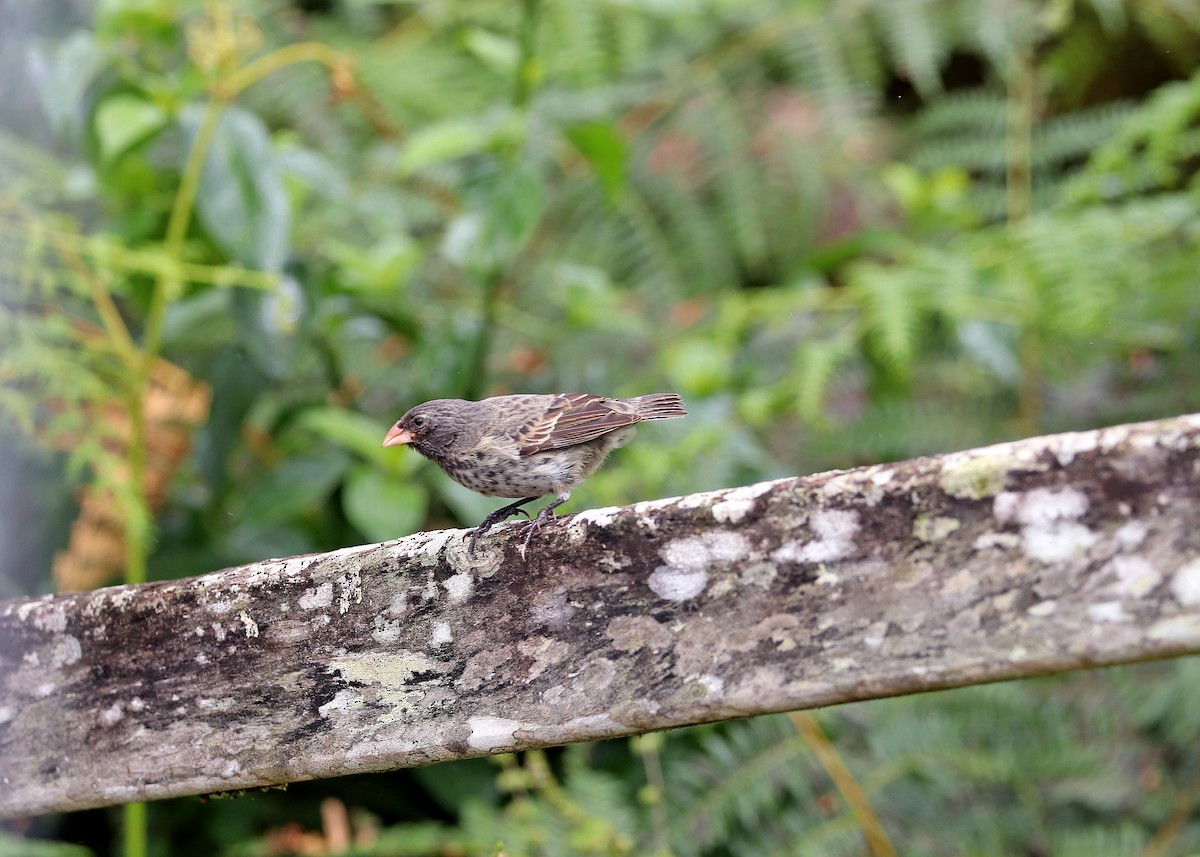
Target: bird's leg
point(495, 518)
point(546, 514)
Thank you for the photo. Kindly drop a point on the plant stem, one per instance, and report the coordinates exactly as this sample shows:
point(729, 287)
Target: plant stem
point(133, 830)
point(527, 71)
point(1022, 93)
point(877, 838)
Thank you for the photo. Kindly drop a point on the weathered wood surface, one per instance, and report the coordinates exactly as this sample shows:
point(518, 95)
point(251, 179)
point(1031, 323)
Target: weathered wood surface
point(1049, 554)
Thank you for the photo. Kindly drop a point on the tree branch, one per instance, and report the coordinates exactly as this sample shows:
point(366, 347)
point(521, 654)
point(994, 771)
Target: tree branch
point(1043, 555)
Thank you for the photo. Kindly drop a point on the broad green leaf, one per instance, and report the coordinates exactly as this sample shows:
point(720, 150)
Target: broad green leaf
point(357, 433)
point(77, 63)
point(504, 209)
point(242, 200)
point(446, 141)
point(497, 52)
point(606, 151)
point(298, 486)
point(383, 507)
point(125, 120)
point(384, 267)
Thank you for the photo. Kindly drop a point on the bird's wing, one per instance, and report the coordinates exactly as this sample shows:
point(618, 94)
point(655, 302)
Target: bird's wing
point(574, 418)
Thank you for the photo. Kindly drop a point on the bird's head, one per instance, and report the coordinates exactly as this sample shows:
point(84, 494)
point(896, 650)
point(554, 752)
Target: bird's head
point(431, 429)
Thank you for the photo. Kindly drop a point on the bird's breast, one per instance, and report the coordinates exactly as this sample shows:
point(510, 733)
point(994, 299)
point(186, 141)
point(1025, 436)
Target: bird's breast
point(500, 475)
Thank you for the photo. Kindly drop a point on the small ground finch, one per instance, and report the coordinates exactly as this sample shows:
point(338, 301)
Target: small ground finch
point(526, 446)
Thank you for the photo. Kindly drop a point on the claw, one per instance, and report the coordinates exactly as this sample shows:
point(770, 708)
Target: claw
point(535, 524)
point(495, 518)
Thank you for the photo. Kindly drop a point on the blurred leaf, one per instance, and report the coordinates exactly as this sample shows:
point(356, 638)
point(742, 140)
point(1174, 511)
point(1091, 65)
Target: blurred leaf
point(697, 366)
point(241, 199)
point(357, 433)
point(383, 507)
point(314, 171)
point(383, 267)
point(298, 486)
point(125, 120)
point(497, 52)
point(66, 77)
point(19, 846)
point(505, 209)
point(606, 151)
point(454, 783)
point(817, 362)
point(446, 141)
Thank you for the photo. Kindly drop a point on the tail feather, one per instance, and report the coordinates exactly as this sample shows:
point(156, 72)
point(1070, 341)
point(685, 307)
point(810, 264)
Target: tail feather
point(658, 406)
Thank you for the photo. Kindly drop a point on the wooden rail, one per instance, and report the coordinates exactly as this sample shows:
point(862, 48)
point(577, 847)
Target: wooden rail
point(1048, 554)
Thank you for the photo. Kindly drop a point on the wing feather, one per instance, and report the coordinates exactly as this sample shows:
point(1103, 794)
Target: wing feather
point(574, 418)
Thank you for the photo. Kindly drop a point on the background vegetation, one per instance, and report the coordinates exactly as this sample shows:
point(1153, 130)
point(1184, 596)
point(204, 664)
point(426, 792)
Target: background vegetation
point(237, 240)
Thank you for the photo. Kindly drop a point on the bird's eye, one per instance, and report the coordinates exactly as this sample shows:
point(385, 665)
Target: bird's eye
point(419, 421)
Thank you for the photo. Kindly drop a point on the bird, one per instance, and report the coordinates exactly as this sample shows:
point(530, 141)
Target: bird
point(526, 446)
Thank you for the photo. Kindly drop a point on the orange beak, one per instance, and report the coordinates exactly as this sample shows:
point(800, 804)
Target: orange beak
point(398, 436)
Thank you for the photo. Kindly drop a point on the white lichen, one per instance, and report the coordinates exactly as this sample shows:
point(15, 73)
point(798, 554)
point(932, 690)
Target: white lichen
point(690, 559)
point(65, 651)
point(1068, 446)
point(1185, 584)
point(112, 715)
point(350, 589)
point(492, 733)
point(974, 476)
point(738, 503)
point(676, 584)
point(440, 635)
point(1136, 577)
point(935, 529)
point(1107, 611)
point(317, 597)
point(1050, 531)
point(835, 530)
point(1131, 535)
point(248, 623)
point(459, 587)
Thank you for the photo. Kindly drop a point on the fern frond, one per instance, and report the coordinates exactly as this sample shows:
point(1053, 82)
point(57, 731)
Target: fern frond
point(893, 302)
point(917, 37)
point(1154, 147)
point(746, 774)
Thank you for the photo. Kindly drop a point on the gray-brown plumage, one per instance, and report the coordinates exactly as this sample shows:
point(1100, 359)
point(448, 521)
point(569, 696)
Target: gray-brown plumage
point(526, 446)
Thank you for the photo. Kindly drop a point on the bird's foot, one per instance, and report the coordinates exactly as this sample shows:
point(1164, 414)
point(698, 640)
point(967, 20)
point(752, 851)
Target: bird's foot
point(493, 519)
point(535, 524)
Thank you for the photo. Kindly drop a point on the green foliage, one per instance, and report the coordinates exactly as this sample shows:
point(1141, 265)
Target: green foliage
point(824, 223)
point(13, 846)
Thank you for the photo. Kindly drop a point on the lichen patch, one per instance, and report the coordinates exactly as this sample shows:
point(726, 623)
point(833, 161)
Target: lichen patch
point(675, 584)
point(440, 635)
point(459, 587)
point(1056, 542)
point(492, 733)
point(349, 590)
point(599, 518)
point(1185, 584)
point(1136, 577)
point(631, 633)
point(1107, 611)
point(740, 502)
point(835, 530)
point(934, 529)
point(974, 477)
point(317, 597)
point(248, 624)
point(689, 560)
